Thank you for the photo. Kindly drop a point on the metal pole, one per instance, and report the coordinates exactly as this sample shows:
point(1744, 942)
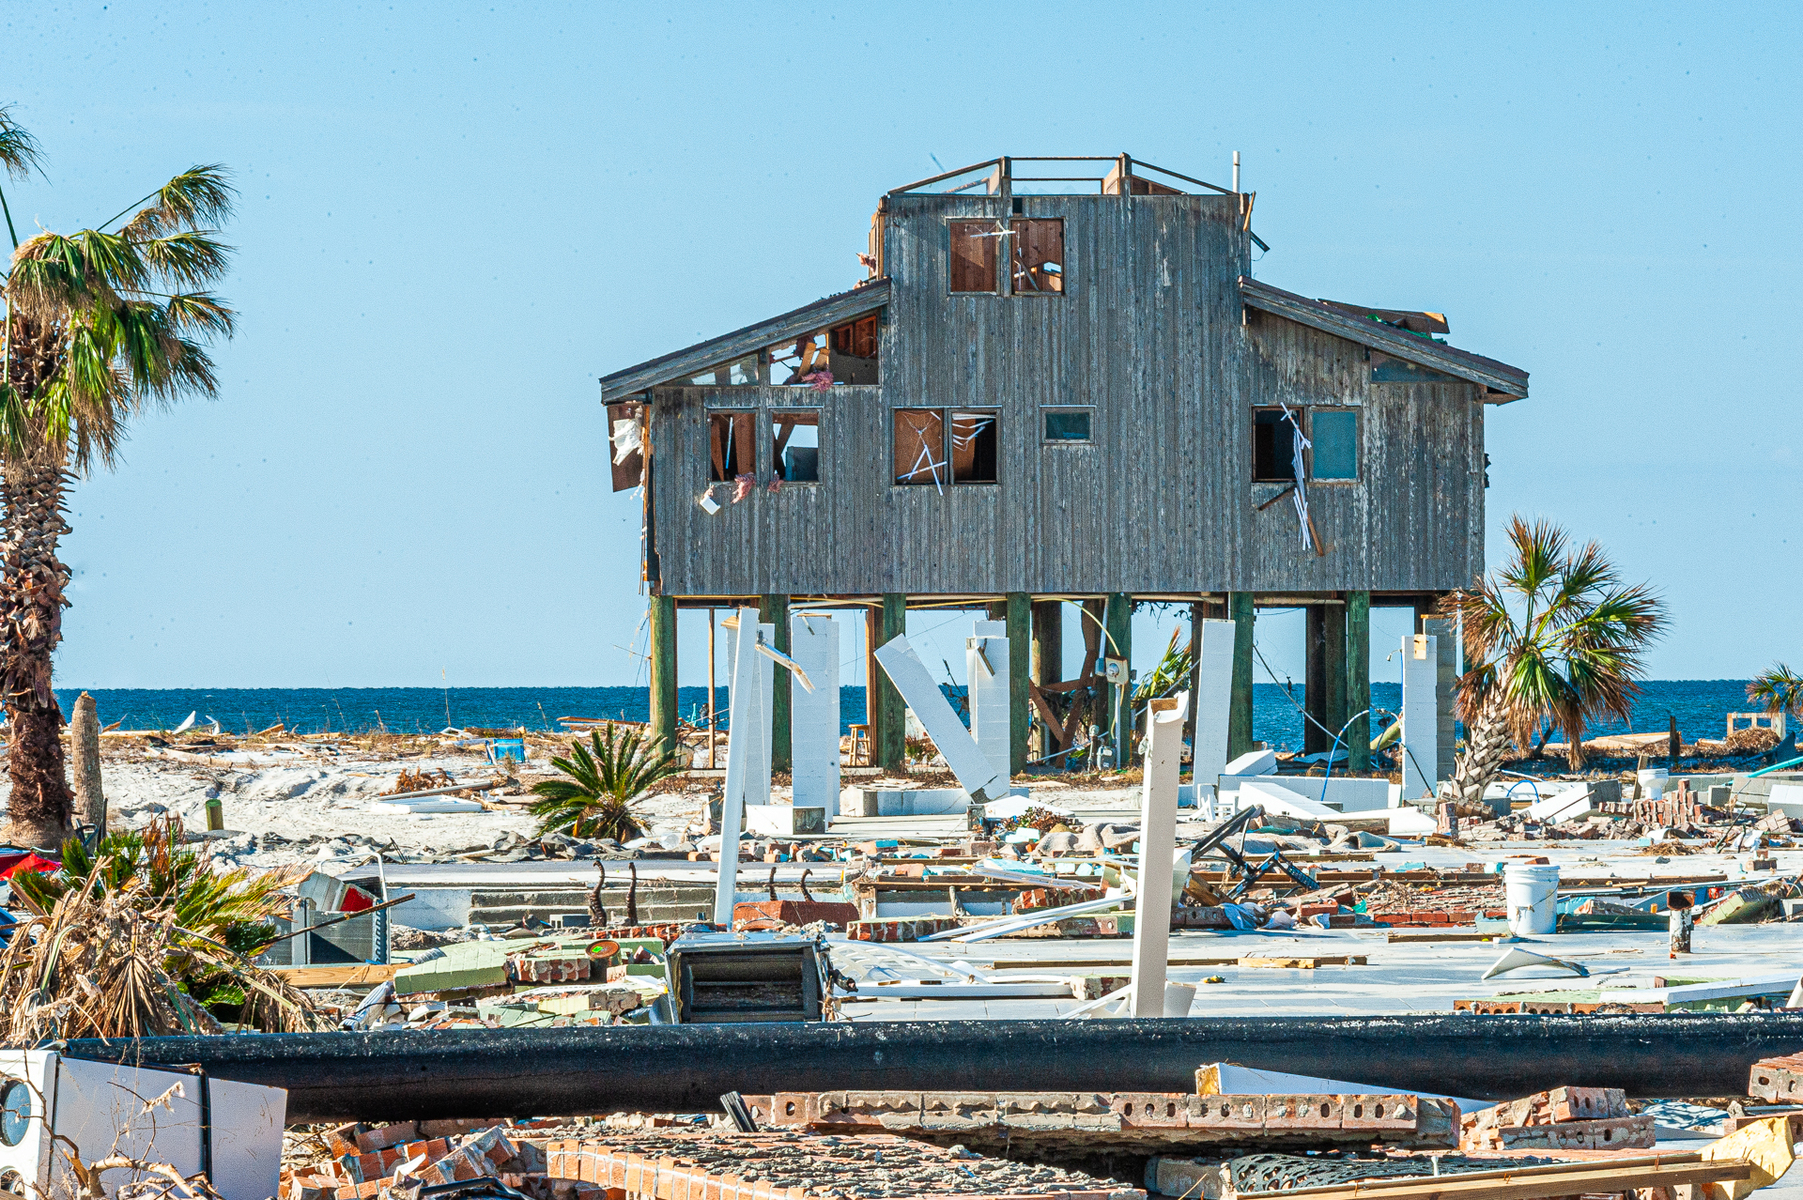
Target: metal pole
point(686, 1068)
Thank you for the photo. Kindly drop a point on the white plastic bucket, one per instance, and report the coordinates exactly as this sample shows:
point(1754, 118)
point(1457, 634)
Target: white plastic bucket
point(1652, 782)
point(1530, 892)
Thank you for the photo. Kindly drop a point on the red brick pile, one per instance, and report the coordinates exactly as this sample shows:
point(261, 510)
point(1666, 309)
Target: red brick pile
point(1566, 1118)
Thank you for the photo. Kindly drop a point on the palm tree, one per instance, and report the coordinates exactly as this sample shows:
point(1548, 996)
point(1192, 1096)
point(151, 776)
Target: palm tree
point(98, 325)
point(595, 797)
point(1779, 689)
point(1553, 635)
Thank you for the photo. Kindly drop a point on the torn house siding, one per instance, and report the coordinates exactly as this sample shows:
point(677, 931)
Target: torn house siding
point(1150, 339)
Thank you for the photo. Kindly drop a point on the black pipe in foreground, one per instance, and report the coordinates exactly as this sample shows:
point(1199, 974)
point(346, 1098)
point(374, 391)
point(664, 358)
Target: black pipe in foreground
point(686, 1068)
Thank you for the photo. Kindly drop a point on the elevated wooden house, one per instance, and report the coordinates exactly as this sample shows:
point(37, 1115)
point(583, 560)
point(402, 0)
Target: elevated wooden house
point(1065, 388)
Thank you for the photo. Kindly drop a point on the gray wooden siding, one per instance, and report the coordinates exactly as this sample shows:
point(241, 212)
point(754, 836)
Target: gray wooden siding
point(1150, 333)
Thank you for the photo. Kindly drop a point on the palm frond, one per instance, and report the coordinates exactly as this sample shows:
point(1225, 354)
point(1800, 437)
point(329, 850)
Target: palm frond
point(188, 258)
point(19, 151)
point(601, 782)
point(199, 198)
point(1779, 689)
point(1553, 635)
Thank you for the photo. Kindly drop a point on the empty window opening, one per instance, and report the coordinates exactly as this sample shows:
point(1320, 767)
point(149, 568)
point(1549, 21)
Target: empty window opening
point(1273, 447)
point(974, 438)
point(852, 351)
point(741, 372)
point(795, 446)
point(974, 255)
point(1067, 425)
point(1038, 257)
point(805, 362)
point(920, 446)
point(1335, 434)
point(731, 445)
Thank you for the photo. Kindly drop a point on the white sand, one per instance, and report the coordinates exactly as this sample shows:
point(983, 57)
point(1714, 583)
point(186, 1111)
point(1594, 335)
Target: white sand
point(310, 805)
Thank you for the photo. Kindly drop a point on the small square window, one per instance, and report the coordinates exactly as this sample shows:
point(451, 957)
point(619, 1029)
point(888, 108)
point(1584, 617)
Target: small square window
point(1273, 447)
point(731, 445)
point(920, 446)
point(795, 446)
point(974, 255)
point(1069, 425)
point(1335, 434)
point(974, 444)
point(1038, 257)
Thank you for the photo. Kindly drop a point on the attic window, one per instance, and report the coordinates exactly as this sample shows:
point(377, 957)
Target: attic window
point(731, 448)
point(804, 362)
point(795, 445)
point(741, 372)
point(852, 351)
point(973, 255)
point(1273, 447)
point(1038, 257)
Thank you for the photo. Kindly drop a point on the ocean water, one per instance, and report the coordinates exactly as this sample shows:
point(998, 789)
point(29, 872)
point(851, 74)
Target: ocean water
point(1700, 706)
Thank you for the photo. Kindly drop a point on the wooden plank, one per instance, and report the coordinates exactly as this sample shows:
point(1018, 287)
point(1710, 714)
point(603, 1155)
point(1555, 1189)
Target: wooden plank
point(1529, 1182)
point(343, 975)
point(1303, 962)
point(681, 364)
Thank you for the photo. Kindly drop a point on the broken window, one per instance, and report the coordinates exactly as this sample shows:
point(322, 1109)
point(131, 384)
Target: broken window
point(1067, 425)
point(920, 446)
point(741, 372)
point(1038, 256)
point(731, 445)
point(795, 445)
point(1273, 447)
point(852, 351)
point(1335, 434)
point(974, 444)
point(626, 439)
point(973, 255)
point(805, 362)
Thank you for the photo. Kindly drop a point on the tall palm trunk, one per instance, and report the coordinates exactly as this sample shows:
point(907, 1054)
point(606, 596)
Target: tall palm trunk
point(1486, 741)
point(31, 624)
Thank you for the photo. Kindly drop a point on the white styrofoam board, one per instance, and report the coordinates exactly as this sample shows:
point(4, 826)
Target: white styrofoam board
point(779, 820)
point(1550, 808)
point(428, 804)
point(1254, 762)
point(1236, 1080)
point(1280, 799)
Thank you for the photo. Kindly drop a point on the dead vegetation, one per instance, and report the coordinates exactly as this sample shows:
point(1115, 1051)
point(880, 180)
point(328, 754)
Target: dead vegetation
point(110, 958)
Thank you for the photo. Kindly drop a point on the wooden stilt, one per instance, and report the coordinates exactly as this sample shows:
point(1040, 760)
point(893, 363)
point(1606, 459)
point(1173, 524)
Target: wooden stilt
point(1239, 717)
point(1358, 680)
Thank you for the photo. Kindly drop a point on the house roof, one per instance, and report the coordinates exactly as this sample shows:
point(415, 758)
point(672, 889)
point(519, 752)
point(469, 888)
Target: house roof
point(680, 364)
point(1506, 383)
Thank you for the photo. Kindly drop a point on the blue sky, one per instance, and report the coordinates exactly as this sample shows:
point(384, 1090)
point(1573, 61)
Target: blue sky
point(456, 217)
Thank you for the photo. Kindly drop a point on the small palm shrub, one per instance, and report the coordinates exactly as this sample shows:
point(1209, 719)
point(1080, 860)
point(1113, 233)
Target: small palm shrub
point(601, 781)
